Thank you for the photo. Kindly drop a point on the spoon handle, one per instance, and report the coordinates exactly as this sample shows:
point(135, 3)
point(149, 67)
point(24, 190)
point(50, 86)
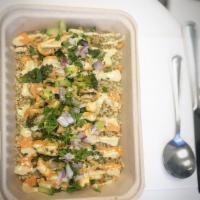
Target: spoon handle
point(176, 75)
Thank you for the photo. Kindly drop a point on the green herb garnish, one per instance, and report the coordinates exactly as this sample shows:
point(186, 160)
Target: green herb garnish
point(81, 123)
point(86, 81)
point(78, 64)
point(74, 35)
point(49, 191)
point(105, 89)
point(73, 186)
point(57, 38)
point(72, 56)
point(59, 54)
point(49, 124)
point(30, 121)
point(94, 52)
point(37, 75)
point(65, 44)
point(32, 51)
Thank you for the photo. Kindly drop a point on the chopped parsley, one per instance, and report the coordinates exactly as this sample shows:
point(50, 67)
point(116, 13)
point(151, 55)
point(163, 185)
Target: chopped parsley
point(32, 51)
point(94, 52)
point(37, 75)
point(86, 81)
point(58, 37)
point(73, 186)
point(30, 121)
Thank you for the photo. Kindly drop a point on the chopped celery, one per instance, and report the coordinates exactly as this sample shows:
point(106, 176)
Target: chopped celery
point(71, 70)
point(53, 31)
point(45, 190)
point(99, 124)
point(63, 82)
point(47, 94)
point(62, 27)
point(57, 30)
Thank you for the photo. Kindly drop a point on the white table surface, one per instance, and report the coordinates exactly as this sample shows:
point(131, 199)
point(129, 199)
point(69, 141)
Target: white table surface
point(159, 38)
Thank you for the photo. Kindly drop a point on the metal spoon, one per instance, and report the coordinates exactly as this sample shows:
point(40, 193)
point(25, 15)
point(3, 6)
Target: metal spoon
point(178, 156)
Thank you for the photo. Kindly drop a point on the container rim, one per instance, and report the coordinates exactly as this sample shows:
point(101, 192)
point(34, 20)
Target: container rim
point(8, 12)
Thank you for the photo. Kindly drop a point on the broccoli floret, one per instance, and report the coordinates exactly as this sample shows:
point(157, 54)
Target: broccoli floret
point(88, 81)
point(52, 31)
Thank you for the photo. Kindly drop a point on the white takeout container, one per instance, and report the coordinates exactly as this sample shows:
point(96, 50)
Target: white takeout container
point(29, 18)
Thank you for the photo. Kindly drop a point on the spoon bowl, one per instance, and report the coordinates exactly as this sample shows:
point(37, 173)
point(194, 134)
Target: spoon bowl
point(178, 157)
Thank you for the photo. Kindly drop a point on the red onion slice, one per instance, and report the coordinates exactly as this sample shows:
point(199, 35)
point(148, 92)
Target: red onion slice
point(93, 129)
point(78, 177)
point(82, 136)
point(69, 172)
point(68, 156)
point(76, 142)
point(76, 165)
point(76, 110)
point(34, 128)
point(61, 175)
point(64, 61)
point(82, 51)
point(98, 65)
point(72, 41)
point(65, 119)
point(83, 43)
